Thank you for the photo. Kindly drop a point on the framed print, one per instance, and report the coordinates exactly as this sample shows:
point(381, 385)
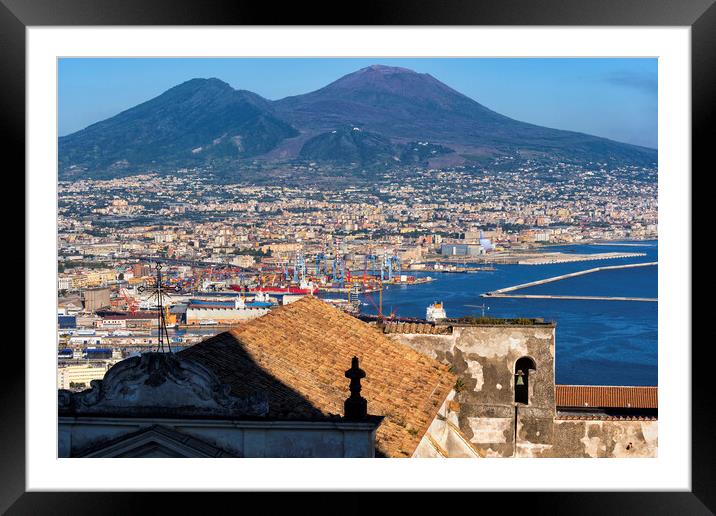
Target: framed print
point(281, 248)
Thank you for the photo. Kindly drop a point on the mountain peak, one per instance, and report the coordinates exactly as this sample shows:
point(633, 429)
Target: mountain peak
point(201, 83)
point(390, 100)
point(384, 69)
point(381, 74)
point(391, 80)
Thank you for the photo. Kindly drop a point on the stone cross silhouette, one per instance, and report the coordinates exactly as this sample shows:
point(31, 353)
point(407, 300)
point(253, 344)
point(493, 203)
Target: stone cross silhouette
point(356, 406)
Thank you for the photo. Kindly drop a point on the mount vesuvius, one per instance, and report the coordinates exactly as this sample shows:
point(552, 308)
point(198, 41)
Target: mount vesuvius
point(376, 116)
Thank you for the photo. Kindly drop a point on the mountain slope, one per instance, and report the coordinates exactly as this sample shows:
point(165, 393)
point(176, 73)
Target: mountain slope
point(197, 120)
point(403, 104)
point(422, 152)
point(349, 145)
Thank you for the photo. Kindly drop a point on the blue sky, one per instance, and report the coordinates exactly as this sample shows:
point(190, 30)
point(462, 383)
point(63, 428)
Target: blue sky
point(611, 97)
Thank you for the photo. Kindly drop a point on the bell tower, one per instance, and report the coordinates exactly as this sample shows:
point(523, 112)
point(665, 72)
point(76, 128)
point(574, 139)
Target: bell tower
point(523, 366)
point(505, 388)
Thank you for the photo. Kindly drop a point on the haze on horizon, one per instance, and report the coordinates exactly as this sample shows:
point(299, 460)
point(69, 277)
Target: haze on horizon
point(615, 98)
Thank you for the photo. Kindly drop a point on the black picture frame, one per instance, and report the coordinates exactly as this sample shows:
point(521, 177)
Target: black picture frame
point(700, 15)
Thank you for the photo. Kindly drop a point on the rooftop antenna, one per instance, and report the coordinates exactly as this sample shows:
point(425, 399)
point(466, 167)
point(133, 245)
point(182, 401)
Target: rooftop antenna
point(160, 292)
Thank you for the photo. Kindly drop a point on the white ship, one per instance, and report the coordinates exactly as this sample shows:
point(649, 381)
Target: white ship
point(435, 312)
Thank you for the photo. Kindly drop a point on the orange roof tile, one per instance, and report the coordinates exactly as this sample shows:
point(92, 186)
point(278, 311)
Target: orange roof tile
point(602, 417)
point(403, 327)
point(606, 396)
point(299, 353)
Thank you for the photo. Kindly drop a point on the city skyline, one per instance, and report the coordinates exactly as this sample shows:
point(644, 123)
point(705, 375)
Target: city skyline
point(612, 98)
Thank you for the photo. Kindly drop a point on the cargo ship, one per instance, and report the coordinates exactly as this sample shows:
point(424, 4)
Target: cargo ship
point(407, 280)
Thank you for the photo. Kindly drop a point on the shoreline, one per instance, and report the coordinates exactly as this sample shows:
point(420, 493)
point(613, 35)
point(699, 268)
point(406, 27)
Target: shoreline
point(629, 242)
point(542, 255)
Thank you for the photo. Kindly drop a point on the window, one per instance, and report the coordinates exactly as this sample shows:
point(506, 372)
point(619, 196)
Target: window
point(523, 366)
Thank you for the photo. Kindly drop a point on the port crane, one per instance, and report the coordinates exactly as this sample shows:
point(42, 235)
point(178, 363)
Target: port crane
point(299, 268)
point(390, 268)
point(379, 307)
point(482, 306)
point(321, 264)
point(132, 304)
point(371, 264)
point(339, 271)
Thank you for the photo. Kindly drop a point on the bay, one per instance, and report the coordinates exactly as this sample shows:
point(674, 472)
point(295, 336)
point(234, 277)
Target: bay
point(598, 342)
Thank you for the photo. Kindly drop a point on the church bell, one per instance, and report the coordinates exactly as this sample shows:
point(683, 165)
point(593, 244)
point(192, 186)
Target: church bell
point(520, 380)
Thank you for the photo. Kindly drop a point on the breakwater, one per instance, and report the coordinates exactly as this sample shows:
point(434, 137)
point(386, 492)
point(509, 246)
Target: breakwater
point(506, 292)
point(585, 298)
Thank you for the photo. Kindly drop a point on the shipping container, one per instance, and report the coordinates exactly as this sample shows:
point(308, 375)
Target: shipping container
point(67, 321)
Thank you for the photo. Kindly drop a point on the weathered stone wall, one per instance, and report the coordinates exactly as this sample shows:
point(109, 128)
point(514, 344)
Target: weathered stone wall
point(598, 439)
point(484, 359)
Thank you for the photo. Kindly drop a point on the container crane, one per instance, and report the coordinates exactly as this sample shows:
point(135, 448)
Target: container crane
point(371, 264)
point(321, 261)
point(299, 268)
point(339, 272)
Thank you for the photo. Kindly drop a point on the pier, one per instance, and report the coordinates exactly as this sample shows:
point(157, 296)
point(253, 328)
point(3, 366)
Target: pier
point(589, 298)
point(506, 292)
point(456, 270)
point(530, 257)
point(624, 244)
point(550, 258)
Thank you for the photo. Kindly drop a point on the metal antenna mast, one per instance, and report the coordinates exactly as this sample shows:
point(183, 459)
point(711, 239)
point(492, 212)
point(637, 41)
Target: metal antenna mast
point(160, 292)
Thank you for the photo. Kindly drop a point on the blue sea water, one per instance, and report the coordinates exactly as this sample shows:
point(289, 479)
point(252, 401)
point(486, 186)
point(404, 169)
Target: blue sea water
point(597, 342)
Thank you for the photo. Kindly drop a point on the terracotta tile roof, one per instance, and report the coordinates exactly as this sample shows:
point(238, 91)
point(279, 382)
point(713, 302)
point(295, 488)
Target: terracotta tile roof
point(602, 417)
point(413, 327)
point(299, 353)
point(606, 396)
